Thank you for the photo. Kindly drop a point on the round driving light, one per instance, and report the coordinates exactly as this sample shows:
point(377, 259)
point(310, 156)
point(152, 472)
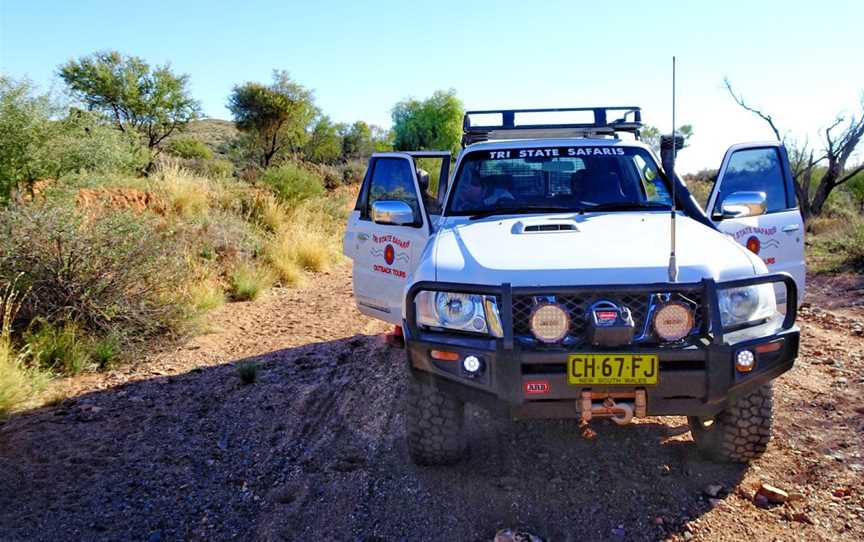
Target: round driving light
point(673, 321)
point(549, 323)
point(471, 364)
point(745, 361)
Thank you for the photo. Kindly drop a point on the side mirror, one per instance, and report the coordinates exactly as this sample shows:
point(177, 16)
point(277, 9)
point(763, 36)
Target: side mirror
point(741, 204)
point(392, 212)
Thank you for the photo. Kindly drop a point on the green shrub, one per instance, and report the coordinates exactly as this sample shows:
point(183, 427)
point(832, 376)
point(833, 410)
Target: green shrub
point(189, 148)
point(63, 349)
point(17, 381)
point(248, 282)
point(116, 270)
point(105, 351)
point(292, 184)
point(218, 168)
point(353, 171)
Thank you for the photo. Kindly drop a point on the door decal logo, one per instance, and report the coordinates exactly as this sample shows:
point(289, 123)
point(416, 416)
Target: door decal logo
point(753, 244)
point(390, 254)
point(760, 241)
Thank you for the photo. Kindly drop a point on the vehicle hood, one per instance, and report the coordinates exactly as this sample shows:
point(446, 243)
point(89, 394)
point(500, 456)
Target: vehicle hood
point(603, 248)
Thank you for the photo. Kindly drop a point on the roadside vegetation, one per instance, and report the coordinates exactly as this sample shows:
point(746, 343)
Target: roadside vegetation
point(125, 216)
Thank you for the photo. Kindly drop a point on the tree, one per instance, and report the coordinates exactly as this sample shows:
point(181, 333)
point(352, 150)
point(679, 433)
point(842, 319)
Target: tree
point(835, 153)
point(275, 117)
point(325, 142)
point(40, 140)
point(431, 124)
point(650, 135)
point(357, 141)
point(152, 102)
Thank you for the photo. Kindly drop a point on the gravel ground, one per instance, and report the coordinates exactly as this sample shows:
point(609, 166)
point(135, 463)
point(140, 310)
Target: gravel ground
point(177, 448)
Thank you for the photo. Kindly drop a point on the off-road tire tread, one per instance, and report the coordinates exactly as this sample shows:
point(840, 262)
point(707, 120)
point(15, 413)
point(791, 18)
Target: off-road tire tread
point(741, 432)
point(434, 424)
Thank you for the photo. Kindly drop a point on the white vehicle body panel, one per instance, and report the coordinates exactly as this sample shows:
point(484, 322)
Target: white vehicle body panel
point(611, 248)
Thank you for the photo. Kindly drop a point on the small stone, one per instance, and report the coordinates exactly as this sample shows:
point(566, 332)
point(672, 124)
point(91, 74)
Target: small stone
point(761, 501)
point(658, 520)
point(715, 502)
point(665, 470)
point(801, 517)
point(713, 490)
point(155, 536)
point(796, 497)
point(774, 495)
point(619, 532)
point(688, 535)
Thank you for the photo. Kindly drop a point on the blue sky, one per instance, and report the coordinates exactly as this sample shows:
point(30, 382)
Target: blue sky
point(802, 61)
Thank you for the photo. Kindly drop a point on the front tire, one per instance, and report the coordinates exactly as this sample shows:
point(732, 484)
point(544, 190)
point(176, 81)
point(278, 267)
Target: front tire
point(740, 433)
point(434, 425)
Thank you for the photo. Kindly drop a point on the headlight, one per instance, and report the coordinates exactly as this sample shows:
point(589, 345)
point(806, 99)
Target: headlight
point(463, 312)
point(741, 306)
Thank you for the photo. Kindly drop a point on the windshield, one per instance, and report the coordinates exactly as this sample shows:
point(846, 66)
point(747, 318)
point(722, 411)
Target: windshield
point(549, 179)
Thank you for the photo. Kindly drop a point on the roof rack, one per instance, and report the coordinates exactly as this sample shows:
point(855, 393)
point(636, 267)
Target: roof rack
point(510, 127)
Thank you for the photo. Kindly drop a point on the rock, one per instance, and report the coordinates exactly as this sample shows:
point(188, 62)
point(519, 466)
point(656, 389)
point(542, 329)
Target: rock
point(713, 490)
point(155, 536)
point(688, 535)
point(618, 532)
point(715, 502)
point(795, 497)
point(658, 520)
point(761, 501)
point(774, 495)
point(801, 517)
point(665, 470)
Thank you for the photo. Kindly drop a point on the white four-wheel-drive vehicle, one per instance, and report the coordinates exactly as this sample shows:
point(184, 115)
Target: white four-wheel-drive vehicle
point(536, 279)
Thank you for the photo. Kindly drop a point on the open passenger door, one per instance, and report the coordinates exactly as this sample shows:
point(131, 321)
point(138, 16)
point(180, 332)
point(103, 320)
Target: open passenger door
point(388, 229)
point(753, 200)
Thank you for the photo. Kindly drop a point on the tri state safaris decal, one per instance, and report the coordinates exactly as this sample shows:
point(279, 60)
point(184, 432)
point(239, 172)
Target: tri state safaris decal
point(394, 253)
point(552, 152)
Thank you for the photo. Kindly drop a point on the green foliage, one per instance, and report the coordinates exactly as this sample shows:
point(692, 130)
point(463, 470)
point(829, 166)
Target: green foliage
point(324, 145)
point(39, 142)
point(274, 117)
point(292, 184)
point(189, 148)
point(353, 171)
point(63, 348)
point(17, 381)
point(248, 282)
point(431, 124)
point(114, 270)
point(105, 351)
point(650, 135)
point(154, 102)
point(700, 184)
point(248, 372)
point(357, 141)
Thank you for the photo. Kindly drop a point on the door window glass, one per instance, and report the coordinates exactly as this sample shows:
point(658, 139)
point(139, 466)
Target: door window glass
point(392, 180)
point(754, 170)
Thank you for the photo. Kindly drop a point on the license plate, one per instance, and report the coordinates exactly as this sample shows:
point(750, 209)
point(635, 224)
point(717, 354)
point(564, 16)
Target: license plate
point(612, 369)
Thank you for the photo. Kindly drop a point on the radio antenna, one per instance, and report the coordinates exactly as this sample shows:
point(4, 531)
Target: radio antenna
point(673, 264)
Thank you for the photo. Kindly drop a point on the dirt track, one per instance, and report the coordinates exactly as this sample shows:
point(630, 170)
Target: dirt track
point(179, 449)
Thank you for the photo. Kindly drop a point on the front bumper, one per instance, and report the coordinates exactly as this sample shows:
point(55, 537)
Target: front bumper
point(696, 380)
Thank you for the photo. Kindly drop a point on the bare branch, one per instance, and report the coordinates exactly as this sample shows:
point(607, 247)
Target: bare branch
point(850, 175)
point(739, 99)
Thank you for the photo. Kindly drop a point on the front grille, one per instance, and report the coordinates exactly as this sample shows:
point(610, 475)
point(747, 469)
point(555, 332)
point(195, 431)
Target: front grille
point(577, 307)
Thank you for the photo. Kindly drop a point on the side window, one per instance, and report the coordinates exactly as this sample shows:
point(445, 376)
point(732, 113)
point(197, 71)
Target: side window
point(654, 188)
point(754, 170)
point(392, 180)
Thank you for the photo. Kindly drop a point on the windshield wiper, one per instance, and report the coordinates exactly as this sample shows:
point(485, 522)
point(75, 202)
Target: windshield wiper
point(624, 206)
point(519, 211)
